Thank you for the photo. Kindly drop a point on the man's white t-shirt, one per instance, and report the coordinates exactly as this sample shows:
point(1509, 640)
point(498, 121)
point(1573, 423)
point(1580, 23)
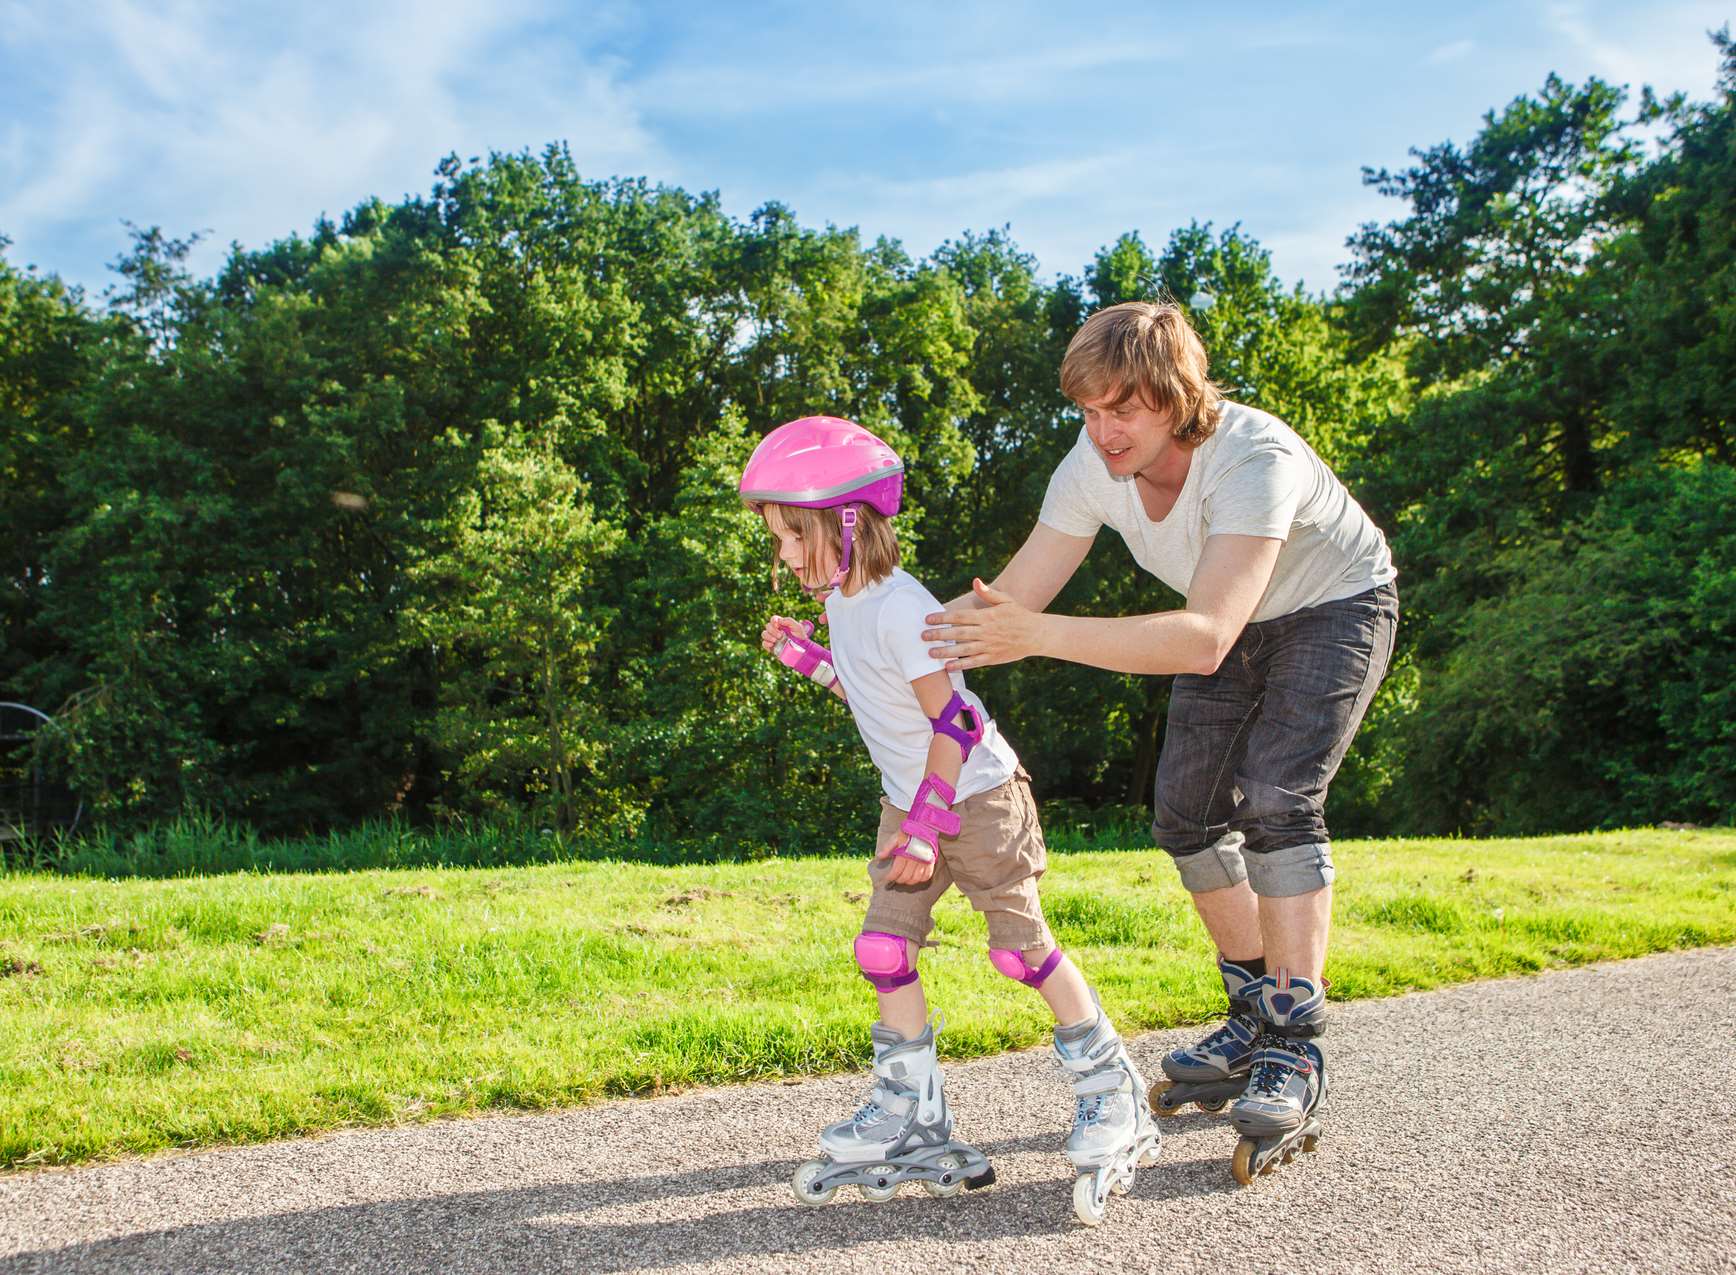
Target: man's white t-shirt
point(878, 651)
point(1255, 476)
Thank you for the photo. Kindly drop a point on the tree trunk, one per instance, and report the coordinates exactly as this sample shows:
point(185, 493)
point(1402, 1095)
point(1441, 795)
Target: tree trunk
point(1150, 741)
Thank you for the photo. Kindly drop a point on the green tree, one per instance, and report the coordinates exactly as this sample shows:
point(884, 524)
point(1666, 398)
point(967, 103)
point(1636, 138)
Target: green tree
point(504, 602)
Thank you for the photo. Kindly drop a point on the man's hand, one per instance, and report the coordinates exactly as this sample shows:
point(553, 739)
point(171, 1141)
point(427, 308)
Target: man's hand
point(905, 871)
point(999, 631)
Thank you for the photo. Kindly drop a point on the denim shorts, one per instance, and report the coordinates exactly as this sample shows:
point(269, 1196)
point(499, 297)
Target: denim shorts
point(1248, 751)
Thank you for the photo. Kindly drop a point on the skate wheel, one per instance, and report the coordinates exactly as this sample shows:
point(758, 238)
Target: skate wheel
point(1242, 1163)
point(1212, 1108)
point(803, 1184)
point(1310, 1141)
point(952, 1164)
point(885, 1189)
point(1158, 1099)
point(1087, 1206)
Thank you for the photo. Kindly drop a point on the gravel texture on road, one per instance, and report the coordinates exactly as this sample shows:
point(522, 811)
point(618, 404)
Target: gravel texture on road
point(1582, 1120)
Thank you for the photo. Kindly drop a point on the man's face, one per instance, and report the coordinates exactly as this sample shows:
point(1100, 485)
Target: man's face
point(1130, 437)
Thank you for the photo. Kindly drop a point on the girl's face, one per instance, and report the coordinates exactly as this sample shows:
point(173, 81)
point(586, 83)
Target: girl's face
point(793, 553)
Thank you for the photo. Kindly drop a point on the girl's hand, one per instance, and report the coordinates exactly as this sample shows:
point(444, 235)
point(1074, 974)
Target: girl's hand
point(905, 871)
point(778, 626)
point(999, 632)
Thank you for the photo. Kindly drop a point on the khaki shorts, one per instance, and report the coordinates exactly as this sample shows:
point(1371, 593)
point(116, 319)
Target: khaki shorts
point(995, 861)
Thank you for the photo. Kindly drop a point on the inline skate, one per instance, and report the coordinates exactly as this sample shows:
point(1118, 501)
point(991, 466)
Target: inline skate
point(901, 1133)
point(1279, 1114)
point(1113, 1132)
point(1209, 1074)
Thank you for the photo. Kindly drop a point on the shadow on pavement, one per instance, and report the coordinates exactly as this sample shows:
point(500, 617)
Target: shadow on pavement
point(554, 1227)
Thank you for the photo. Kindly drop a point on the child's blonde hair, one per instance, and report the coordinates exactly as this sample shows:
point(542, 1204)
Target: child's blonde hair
point(1149, 350)
point(873, 549)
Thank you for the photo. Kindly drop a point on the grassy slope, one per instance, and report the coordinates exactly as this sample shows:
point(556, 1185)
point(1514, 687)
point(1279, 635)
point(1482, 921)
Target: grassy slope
point(139, 1015)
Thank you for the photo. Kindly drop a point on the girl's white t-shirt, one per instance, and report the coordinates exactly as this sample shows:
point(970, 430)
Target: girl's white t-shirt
point(878, 651)
point(1255, 476)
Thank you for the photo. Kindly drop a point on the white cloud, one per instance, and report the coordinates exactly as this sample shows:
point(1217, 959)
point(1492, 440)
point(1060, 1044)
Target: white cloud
point(177, 115)
point(1450, 52)
point(1667, 50)
point(705, 88)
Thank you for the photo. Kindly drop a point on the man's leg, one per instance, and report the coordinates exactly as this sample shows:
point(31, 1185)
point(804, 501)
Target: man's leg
point(1195, 798)
point(1319, 670)
point(1294, 931)
point(1205, 739)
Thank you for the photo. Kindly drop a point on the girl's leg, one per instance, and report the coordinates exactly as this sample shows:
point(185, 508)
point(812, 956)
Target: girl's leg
point(905, 1009)
point(1064, 990)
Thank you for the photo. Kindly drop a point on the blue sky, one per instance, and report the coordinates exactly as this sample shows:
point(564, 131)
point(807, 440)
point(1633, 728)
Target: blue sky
point(1071, 123)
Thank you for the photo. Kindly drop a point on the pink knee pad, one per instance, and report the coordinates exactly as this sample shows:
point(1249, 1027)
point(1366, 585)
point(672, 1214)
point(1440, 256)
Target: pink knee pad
point(1013, 965)
point(886, 959)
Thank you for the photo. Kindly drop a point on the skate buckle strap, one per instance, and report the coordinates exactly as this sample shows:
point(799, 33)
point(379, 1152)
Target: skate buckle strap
point(1107, 1080)
point(1288, 1059)
point(885, 1099)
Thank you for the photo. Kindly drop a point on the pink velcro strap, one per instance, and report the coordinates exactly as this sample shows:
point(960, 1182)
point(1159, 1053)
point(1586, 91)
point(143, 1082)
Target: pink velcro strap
point(966, 738)
point(925, 818)
point(807, 657)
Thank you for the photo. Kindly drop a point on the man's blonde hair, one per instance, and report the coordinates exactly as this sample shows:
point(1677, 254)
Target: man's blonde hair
point(1147, 350)
point(873, 549)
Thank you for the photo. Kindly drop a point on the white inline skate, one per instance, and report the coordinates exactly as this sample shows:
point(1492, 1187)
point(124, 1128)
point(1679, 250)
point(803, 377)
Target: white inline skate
point(1113, 1130)
point(901, 1133)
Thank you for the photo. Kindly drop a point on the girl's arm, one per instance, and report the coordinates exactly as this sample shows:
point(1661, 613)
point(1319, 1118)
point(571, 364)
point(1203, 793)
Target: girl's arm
point(933, 692)
point(781, 626)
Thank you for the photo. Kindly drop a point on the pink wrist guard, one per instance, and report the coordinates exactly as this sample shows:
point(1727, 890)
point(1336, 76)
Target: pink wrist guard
point(807, 657)
point(919, 848)
point(927, 820)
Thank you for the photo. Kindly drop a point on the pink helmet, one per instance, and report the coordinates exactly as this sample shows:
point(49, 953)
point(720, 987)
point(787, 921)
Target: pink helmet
point(823, 462)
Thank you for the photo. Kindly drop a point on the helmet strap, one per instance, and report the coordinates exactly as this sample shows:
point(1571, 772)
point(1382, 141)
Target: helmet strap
point(847, 520)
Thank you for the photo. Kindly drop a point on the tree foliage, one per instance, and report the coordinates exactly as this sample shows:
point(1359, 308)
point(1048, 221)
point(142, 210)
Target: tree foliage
point(431, 511)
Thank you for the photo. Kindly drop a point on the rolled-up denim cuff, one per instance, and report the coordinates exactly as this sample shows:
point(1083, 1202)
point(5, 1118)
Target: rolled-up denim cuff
point(1290, 870)
point(1217, 867)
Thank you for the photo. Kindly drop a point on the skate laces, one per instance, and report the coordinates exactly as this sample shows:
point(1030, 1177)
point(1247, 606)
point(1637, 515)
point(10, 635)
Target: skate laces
point(868, 1113)
point(1273, 1066)
point(1225, 1040)
point(1088, 1109)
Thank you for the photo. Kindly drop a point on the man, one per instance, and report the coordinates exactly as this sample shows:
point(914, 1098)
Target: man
point(1285, 638)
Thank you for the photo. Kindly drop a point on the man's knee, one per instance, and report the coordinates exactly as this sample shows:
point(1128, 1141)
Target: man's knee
point(1285, 871)
point(1217, 867)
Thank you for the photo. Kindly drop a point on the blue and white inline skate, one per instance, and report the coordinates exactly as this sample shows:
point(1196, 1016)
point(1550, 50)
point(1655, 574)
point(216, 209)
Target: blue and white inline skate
point(1113, 1132)
point(901, 1133)
point(1215, 1070)
point(1279, 1114)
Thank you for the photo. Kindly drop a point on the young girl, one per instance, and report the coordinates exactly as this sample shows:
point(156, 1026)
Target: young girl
point(957, 810)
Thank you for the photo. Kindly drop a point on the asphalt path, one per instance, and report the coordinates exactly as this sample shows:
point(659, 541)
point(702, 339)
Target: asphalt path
point(1582, 1120)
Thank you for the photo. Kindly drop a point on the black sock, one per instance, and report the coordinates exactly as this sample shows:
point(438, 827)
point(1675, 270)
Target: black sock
point(1256, 967)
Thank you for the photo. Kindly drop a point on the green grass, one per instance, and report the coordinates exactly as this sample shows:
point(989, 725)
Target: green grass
point(137, 1015)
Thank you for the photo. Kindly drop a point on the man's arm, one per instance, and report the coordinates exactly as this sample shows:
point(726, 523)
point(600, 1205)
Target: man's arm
point(1228, 584)
point(1037, 572)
